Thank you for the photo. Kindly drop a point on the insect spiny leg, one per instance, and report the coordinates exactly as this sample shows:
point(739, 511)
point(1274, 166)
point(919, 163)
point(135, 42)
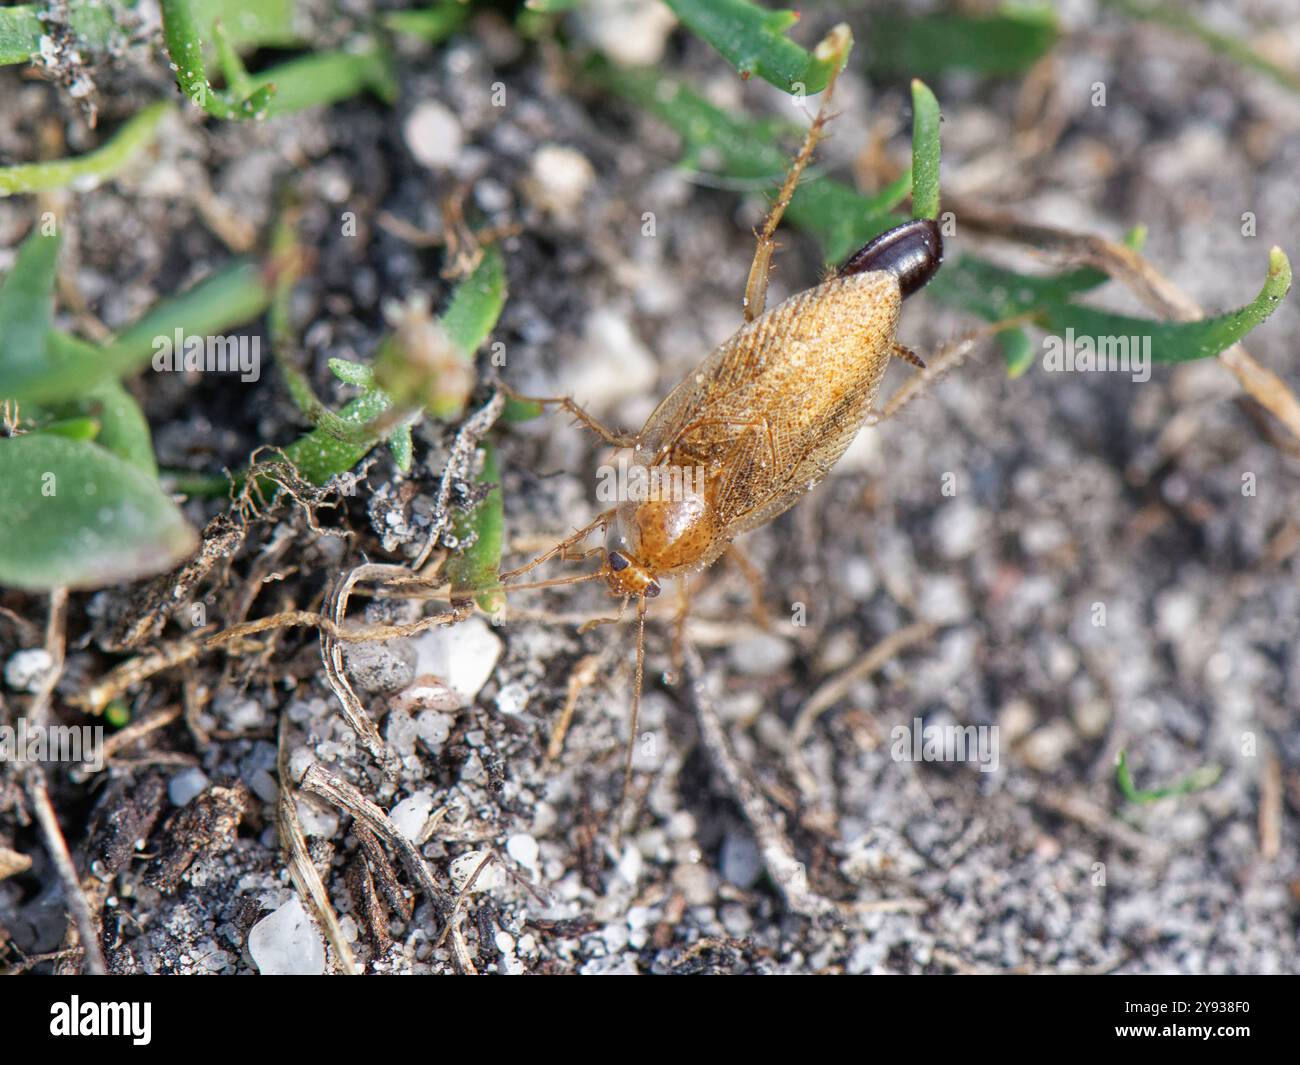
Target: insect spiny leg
point(756, 285)
point(635, 718)
point(602, 522)
point(610, 436)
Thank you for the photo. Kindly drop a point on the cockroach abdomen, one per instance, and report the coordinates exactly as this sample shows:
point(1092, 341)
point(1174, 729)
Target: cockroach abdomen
point(911, 252)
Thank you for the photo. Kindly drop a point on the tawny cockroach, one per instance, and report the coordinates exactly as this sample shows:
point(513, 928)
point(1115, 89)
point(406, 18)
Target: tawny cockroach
point(763, 418)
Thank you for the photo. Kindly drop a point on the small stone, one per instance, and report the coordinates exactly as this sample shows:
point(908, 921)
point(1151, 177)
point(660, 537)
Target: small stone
point(523, 849)
point(632, 33)
point(348, 926)
point(401, 731)
point(559, 178)
point(26, 670)
point(741, 862)
point(380, 667)
point(434, 728)
point(943, 600)
point(1092, 718)
point(426, 693)
point(957, 528)
point(242, 715)
point(513, 698)
point(463, 655)
point(433, 135)
point(286, 943)
point(1046, 748)
point(1176, 612)
point(760, 655)
point(695, 882)
point(631, 864)
point(463, 867)
point(186, 785)
point(411, 815)
point(317, 818)
point(1016, 719)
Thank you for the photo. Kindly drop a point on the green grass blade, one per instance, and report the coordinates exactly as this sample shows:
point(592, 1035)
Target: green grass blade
point(1198, 781)
point(124, 430)
point(474, 570)
point(432, 24)
point(1180, 341)
point(21, 29)
point(752, 39)
point(20, 33)
point(1006, 43)
point(925, 151)
point(320, 454)
point(326, 78)
point(26, 307)
point(69, 366)
point(252, 23)
point(185, 47)
point(99, 165)
point(477, 303)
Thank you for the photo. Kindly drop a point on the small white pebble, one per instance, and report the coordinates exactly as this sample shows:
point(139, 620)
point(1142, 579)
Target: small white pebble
point(26, 670)
point(513, 698)
point(186, 785)
point(317, 818)
point(411, 815)
point(286, 943)
point(760, 655)
point(523, 849)
point(559, 179)
point(433, 135)
point(463, 655)
point(463, 867)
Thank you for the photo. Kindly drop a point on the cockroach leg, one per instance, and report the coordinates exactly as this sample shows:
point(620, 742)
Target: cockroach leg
point(679, 621)
point(756, 285)
point(946, 359)
point(562, 549)
point(907, 355)
point(755, 581)
point(614, 439)
point(592, 623)
point(636, 718)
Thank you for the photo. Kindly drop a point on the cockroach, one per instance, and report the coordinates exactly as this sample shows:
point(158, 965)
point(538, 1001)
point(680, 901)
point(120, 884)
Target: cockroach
point(763, 418)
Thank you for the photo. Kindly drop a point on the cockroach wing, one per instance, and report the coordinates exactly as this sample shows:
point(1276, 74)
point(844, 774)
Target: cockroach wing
point(773, 408)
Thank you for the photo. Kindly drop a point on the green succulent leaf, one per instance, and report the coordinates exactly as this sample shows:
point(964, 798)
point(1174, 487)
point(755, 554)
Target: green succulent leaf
point(1009, 42)
point(76, 515)
point(474, 570)
point(925, 151)
point(752, 39)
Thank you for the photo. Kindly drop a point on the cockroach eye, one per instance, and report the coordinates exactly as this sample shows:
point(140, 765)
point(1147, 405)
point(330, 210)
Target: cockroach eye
point(617, 561)
point(911, 252)
point(652, 589)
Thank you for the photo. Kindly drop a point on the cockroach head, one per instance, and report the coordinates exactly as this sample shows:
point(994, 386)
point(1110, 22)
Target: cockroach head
point(911, 252)
point(625, 576)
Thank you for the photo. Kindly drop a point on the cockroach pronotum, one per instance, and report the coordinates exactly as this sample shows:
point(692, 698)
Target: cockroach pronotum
point(764, 417)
